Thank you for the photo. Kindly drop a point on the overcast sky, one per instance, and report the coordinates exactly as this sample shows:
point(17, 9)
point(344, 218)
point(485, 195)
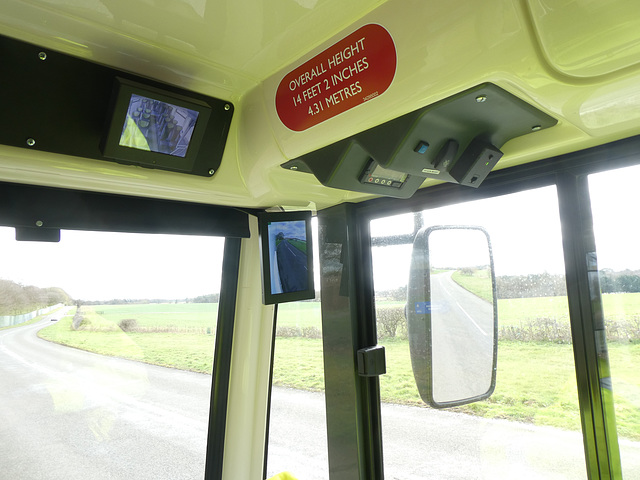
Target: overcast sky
point(102, 266)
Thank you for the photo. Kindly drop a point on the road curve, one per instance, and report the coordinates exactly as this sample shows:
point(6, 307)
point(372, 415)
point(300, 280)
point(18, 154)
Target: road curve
point(68, 414)
point(463, 332)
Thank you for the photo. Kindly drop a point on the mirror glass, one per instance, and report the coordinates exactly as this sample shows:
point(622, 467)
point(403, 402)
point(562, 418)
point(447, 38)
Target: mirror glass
point(452, 315)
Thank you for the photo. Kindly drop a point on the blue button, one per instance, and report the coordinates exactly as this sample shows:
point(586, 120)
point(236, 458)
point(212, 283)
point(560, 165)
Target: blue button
point(421, 148)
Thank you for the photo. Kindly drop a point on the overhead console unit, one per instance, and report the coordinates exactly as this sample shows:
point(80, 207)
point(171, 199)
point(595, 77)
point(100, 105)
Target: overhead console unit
point(456, 140)
point(61, 104)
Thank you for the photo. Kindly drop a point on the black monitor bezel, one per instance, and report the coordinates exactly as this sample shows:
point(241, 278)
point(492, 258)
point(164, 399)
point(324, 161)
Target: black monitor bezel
point(268, 297)
point(111, 148)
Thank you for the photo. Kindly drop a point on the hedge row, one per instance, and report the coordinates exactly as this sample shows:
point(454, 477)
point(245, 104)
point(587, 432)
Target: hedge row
point(391, 323)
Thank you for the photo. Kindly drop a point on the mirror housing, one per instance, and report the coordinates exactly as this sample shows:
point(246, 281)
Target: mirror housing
point(452, 315)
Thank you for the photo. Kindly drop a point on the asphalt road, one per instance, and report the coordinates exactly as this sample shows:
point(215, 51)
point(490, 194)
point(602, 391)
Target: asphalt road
point(423, 443)
point(462, 332)
point(292, 266)
point(68, 414)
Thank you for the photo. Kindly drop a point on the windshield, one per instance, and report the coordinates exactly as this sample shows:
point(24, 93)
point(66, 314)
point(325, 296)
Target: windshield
point(106, 351)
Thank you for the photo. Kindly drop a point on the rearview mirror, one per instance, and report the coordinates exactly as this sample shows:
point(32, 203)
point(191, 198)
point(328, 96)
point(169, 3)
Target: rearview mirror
point(452, 315)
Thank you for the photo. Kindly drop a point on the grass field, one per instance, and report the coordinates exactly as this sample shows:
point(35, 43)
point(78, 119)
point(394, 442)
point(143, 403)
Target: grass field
point(479, 283)
point(547, 397)
point(302, 314)
point(299, 244)
point(169, 339)
point(514, 311)
point(179, 315)
point(536, 381)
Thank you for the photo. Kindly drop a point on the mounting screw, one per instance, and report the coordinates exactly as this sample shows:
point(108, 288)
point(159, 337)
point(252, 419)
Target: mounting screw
point(31, 142)
point(481, 98)
point(294, 168)
point(42, 56)
point(535, 128)
point(227, 106)
point(212, 171)
point(39, 223)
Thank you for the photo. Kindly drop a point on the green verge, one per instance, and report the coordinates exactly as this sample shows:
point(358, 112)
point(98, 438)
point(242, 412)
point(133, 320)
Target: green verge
point(535, 381)
point(178, 348)
point(298, 363)
point(479, 283)
point(299, 244)
point(518, 311)
point(543, 396)
point(161, 314)
point(299, 314)
point(547, 397)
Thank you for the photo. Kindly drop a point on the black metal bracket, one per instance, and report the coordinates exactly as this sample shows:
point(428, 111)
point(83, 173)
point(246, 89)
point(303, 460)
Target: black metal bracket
point(57, 103)
point(372, 361)
point(456, 140)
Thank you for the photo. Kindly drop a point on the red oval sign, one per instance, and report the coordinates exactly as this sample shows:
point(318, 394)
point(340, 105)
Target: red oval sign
point(356, 69)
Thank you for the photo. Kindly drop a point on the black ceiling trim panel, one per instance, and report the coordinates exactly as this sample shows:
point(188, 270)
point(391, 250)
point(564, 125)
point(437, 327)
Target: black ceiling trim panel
point(46, 207)
point(57, 103)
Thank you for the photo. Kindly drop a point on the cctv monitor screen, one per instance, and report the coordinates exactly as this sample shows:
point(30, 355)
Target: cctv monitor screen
point(287, 260)
point(158, 126)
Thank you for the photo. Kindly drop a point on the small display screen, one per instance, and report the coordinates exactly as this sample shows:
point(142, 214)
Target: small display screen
point(385, 173)
point(288, 256)
point(375, 174)
point(158, 126)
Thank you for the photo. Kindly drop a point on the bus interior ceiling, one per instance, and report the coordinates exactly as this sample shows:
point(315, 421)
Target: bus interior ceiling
point(311, 76)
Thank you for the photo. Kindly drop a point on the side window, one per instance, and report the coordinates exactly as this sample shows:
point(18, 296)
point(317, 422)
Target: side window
point(530, 426)
point(106, 352)
point(614, 197)
point(297, 440)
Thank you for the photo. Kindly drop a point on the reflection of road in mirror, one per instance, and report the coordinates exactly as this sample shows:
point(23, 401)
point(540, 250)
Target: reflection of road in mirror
point(462, 339)
point(292, 267)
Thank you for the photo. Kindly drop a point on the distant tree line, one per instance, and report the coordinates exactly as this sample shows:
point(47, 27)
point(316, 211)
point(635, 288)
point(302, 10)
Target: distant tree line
point(627, 281)
point(520, 286)
point(396, 294)
point(548, 285)
point(16, 299)
point(532, 285)
point(124, 301)
point(210, 298)
point(542, 285)
point(508, 286)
